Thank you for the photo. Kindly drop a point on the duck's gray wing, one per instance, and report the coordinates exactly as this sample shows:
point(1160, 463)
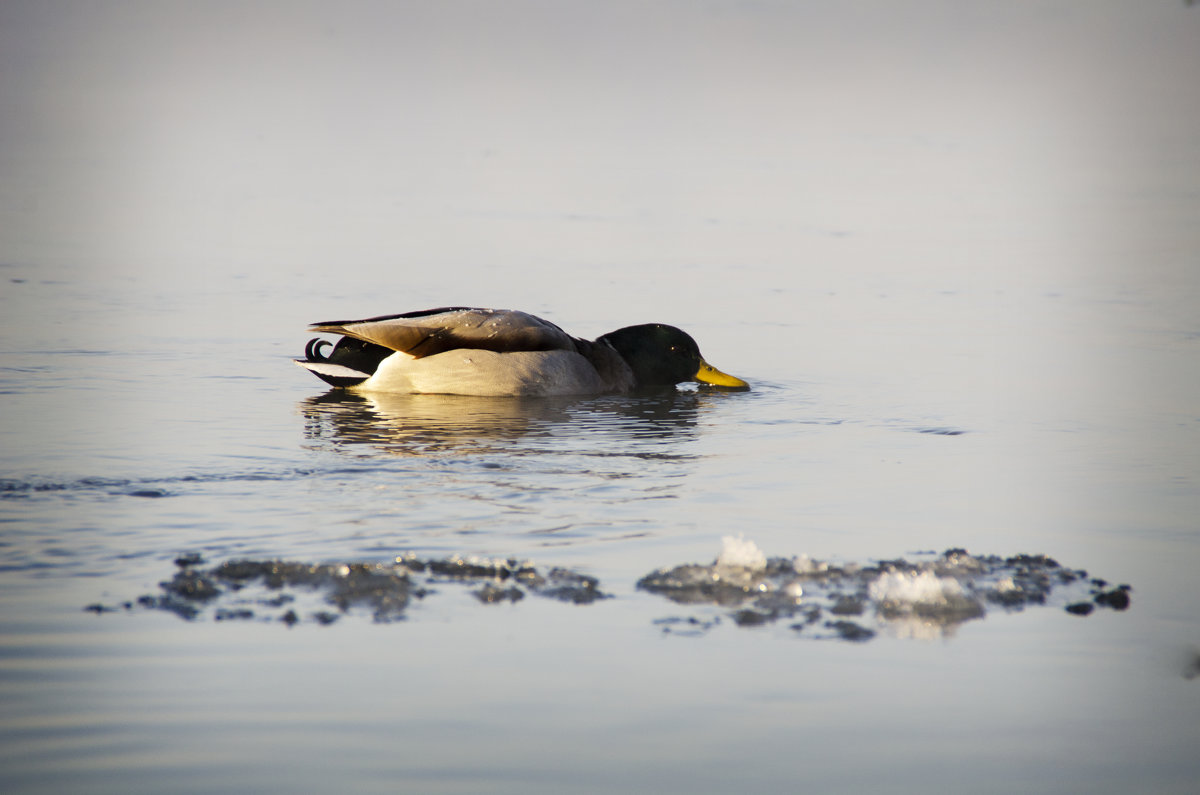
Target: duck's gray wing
point(435, 331)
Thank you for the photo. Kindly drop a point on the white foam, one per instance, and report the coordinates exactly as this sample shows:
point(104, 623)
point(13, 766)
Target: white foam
point(1006, 585)
point(738, 551)
point(925, 588)
point(803, 564)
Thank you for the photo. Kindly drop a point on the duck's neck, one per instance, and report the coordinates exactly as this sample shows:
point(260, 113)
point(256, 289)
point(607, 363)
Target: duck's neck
point(614, 371)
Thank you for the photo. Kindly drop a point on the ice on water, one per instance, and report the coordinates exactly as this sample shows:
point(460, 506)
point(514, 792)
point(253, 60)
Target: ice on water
point(906, 591)
point(929, 596)
point(926, 597)
point(270, 590)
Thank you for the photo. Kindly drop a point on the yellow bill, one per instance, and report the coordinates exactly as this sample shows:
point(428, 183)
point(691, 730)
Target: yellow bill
point(707, 374)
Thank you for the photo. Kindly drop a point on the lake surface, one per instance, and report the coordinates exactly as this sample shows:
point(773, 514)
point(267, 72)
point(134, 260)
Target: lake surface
point(955, 248)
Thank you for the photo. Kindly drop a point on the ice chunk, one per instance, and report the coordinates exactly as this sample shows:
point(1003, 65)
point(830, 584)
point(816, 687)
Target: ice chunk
point(803, 564)
point(924, 594)
point(738, 551)
point(925, 588)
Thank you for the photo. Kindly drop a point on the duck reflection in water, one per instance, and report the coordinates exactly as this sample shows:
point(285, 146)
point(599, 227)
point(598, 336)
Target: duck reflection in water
point(629, 425)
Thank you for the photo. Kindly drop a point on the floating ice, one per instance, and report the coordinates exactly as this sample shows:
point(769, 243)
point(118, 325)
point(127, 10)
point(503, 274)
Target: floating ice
point(923, 593)
point(253, 589)
point(737, 551)
point(803, 564)
point(898, 587)
point(927, 597)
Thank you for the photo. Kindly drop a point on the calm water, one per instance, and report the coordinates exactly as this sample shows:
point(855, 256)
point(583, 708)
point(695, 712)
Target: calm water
point(970, 320)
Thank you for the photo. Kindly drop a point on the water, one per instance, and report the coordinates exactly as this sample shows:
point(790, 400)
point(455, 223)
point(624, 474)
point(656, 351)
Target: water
point(966, 298)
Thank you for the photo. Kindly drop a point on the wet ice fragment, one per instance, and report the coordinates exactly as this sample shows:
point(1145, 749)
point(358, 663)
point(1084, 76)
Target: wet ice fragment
point(1117, 598)
point(189, 559)
point(491, 593)
point(170, 603)
point(237, 614)
point(192, 585)
point(927, 597)
point(751, 618)
point(568, 586)
point(924, 594)
point(239, 589)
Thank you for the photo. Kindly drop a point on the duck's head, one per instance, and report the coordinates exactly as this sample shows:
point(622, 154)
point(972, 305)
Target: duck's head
point(661, 355)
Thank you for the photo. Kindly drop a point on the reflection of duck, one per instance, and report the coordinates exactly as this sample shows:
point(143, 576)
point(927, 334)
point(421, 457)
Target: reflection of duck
point(425, 423)
point(491, 352)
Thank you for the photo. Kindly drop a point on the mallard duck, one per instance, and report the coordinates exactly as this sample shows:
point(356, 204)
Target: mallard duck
point(464, 351)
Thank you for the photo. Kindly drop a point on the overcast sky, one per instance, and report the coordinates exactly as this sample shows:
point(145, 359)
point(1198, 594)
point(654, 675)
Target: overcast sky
point(285, 130)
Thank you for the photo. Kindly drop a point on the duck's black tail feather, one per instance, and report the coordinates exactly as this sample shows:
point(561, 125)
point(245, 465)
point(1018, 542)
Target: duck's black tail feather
point(349, 363)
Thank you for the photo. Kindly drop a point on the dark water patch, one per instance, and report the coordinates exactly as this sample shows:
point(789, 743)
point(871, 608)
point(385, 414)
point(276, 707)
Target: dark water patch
point(152, 488)
point(1191, 664)
point(27, 566)
point(13, 488)
point(148, 493)
point(686, 626)
point(848, 630)
point(908, 425)
point(785, 421)
point(622, 454)
point(10, 488)
point(28, 369)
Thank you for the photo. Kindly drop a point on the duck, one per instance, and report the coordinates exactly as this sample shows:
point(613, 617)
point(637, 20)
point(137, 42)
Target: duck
point(502, 352)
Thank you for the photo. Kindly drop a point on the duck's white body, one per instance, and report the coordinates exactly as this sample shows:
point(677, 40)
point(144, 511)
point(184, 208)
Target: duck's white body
point(468, 371)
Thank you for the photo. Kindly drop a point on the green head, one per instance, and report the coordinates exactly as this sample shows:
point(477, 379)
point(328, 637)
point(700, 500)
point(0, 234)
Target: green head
point(661, 355)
